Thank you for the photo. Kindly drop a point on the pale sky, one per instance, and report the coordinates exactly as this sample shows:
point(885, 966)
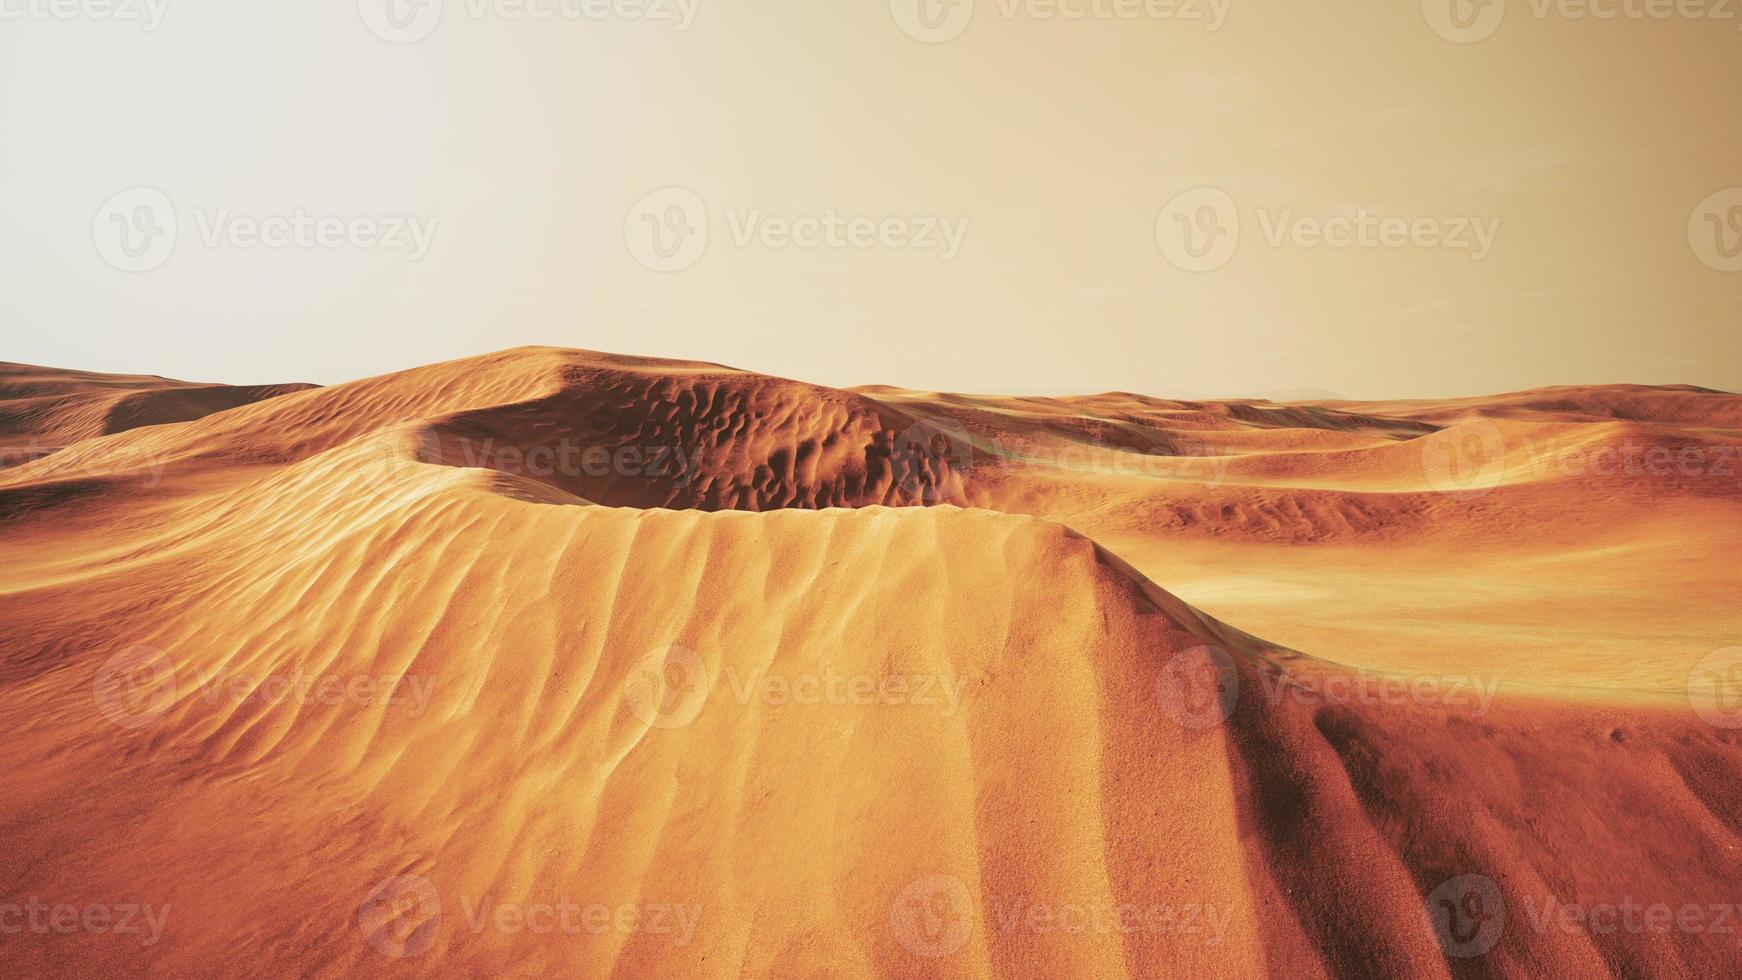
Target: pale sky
point(1017, 206)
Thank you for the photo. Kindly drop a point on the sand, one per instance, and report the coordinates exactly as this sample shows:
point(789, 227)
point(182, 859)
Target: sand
point(550, 662)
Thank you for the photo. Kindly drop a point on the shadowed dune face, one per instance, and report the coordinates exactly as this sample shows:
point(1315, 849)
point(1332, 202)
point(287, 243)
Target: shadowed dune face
point(44, 409)
point(708, 442)
point(551, 662)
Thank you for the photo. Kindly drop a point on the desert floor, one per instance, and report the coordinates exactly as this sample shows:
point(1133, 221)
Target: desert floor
point(550, 662)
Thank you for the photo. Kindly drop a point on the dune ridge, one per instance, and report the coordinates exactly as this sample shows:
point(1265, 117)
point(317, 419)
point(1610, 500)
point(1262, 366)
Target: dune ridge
point(43, 409)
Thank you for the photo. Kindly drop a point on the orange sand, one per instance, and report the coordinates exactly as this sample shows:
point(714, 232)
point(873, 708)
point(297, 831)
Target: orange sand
point(559, 663)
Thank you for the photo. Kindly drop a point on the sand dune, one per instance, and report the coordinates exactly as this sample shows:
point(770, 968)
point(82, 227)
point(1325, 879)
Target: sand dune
point(551, 662)
point(44, 409)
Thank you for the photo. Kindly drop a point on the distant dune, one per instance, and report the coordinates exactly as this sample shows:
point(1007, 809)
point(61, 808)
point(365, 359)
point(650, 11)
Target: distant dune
point(550, 662)
point(43, 409)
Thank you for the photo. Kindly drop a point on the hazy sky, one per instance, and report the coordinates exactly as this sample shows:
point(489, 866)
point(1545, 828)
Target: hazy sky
point(976, 197)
